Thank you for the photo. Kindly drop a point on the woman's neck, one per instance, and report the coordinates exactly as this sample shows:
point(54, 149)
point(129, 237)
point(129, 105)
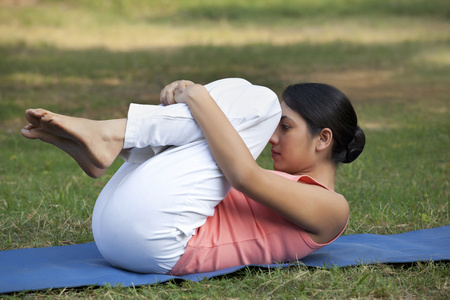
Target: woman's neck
point(324, 173)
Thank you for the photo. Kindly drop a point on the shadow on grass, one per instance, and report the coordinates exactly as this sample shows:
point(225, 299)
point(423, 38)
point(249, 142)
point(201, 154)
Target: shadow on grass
point(261, 12)
point(103, 81)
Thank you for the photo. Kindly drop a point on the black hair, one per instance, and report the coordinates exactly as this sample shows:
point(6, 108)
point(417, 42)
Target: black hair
point(324, 106)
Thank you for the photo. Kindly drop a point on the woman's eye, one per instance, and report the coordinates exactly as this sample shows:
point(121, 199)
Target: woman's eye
point(285, 126)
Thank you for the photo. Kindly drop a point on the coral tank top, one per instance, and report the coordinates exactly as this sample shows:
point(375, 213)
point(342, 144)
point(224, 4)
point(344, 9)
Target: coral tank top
point(244, 232)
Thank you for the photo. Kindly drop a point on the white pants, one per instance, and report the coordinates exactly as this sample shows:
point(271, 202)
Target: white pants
point(170, 182)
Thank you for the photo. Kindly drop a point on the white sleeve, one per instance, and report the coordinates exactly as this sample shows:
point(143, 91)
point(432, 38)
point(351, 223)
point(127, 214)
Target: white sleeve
point(152, 128)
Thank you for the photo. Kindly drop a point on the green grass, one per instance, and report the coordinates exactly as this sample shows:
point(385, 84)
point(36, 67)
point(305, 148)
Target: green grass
point(91, 58)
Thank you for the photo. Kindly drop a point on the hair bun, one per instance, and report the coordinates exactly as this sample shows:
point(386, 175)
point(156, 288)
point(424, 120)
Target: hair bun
point(356, 146)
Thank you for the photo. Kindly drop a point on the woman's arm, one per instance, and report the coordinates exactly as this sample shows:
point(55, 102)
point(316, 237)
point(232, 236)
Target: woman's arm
point(321, 212)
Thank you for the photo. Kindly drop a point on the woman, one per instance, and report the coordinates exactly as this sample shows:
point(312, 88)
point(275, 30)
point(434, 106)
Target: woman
point(160, 213)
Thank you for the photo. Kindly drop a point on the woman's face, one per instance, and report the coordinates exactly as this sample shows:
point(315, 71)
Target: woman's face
point(293, 146)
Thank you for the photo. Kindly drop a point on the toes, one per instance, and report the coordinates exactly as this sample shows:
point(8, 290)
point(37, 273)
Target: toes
point(29, 133)
point(31, 118)
point(34, 116)
point(38, 112)
point(32, 132)
point(29, 127)
point(42, 119)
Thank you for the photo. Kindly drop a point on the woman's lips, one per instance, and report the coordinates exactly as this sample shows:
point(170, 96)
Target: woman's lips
point(275, 154)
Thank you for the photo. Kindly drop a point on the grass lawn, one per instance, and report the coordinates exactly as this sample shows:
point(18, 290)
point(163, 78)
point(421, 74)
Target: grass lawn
point(92, 58)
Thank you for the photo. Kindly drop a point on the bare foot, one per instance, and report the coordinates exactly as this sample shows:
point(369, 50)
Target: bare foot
point(69, 146)
point(99, 142)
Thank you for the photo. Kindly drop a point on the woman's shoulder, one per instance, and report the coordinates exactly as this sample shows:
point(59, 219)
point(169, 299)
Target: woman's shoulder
point(306, 202)
point(301, 178)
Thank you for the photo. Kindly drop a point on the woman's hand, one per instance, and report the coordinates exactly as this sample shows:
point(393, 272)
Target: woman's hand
point(172, 93)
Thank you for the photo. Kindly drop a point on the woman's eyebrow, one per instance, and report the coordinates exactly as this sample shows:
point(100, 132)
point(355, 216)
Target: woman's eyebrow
point(286, 117)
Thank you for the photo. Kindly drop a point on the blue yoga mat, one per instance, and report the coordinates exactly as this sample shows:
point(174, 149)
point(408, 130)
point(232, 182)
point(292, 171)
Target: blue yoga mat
point(82, 265)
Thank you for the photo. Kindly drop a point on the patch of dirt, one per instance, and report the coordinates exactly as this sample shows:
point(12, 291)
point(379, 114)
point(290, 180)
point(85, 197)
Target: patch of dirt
point(370, 85)
point(383, 87)
point(359, 85)
point(18, 3)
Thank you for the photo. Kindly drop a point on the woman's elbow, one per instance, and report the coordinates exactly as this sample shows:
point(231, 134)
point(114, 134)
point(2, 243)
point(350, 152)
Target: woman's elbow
point(242, 180)
point(238, 182)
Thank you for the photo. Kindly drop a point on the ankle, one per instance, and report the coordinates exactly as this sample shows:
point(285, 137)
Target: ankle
point(114, 130)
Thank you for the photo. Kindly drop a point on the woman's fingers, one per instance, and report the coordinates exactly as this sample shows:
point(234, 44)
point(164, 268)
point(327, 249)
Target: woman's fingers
point(169, 92)
point(179, 93)
point(166, 96)
point(182, 84)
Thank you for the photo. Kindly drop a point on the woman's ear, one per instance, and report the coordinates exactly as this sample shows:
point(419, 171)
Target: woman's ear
point(325, 139)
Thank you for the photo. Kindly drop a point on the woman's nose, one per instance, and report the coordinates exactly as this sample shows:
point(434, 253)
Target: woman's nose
point(273, 139)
